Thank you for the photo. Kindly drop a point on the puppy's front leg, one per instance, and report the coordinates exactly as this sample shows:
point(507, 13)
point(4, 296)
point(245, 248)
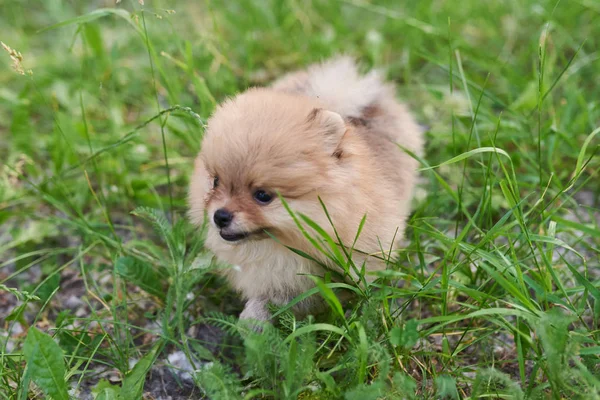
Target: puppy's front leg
point(256, 309)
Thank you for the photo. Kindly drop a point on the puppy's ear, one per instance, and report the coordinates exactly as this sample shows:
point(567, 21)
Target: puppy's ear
point(331, 126)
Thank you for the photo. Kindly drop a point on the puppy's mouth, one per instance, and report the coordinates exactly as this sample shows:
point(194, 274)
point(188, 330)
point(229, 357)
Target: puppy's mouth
point(240, 236)
point(233, 236)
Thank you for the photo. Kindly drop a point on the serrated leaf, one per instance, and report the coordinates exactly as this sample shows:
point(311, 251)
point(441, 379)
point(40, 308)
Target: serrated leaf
point(217, 382)
point(490, 380)
point(49, 287)
point(46, 363)
point(553, 331)
point(16, 314)
point(105, 391)
point(143, 275)
point(164, 229)
point(446, 387)
point(405, 386)
point(405, 336)
point(133, 384)
point(107, 394)
point(373, 391)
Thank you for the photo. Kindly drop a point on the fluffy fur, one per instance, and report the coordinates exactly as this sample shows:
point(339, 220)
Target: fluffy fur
point(325, 132)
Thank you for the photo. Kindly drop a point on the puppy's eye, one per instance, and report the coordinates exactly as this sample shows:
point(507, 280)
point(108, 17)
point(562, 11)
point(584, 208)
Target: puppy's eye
point(262, 197)
point(215, 182)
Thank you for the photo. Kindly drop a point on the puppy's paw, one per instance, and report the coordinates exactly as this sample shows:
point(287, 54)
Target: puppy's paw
point(255, 314)
point(256, 309)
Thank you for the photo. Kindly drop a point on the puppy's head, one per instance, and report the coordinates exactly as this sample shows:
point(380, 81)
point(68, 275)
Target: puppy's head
point(257, 145)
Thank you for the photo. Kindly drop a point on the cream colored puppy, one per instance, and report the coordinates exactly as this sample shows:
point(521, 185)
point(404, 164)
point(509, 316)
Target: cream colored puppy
point(326, 133)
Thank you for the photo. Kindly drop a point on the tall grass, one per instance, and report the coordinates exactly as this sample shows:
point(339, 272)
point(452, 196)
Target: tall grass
point(496, 294)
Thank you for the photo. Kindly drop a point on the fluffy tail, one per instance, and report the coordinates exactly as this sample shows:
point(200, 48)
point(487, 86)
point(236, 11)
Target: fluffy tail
point(339, 85)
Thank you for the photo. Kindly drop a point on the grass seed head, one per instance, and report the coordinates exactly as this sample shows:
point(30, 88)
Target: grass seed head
point(17, 59)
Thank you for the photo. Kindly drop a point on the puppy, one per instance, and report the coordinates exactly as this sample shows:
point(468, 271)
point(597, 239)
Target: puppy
point(325, 134)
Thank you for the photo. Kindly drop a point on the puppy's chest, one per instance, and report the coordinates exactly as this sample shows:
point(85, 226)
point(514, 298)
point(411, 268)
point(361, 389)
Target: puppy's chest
point(274, 273)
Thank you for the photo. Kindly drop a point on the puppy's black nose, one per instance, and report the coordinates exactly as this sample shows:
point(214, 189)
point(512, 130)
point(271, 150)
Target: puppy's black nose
point(222, 218)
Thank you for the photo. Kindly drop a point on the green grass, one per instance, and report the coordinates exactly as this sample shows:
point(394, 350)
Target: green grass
point(496, 295)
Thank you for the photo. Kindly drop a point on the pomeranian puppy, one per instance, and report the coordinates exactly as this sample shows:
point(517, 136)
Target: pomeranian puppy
point(324, 134)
